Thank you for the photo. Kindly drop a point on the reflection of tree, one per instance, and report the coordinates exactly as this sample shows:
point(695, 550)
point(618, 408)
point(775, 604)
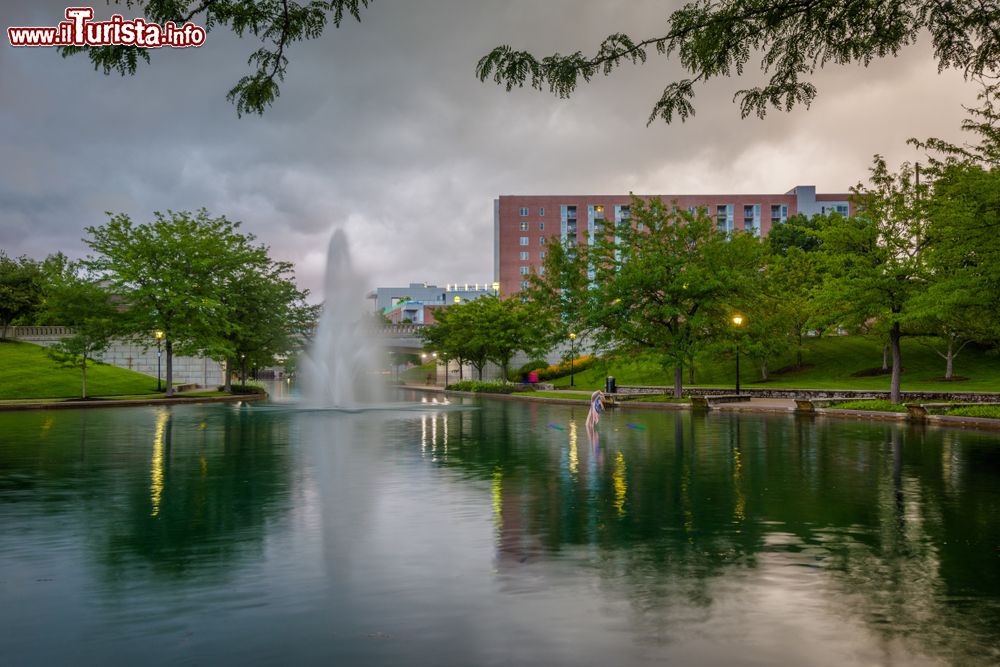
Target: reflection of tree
point(899, 523)
point(178, 491)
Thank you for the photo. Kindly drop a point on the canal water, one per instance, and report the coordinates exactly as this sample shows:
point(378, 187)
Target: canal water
point(493, 533)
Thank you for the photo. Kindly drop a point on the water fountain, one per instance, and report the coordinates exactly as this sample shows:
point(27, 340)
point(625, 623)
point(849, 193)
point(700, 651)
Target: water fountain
point(339, 369)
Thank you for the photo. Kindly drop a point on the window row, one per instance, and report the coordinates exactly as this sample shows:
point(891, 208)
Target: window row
point(524, 226)
point(525, 240)
point(524, 211)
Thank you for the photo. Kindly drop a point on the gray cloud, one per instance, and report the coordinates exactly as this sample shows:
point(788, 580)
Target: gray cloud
point(383, 129)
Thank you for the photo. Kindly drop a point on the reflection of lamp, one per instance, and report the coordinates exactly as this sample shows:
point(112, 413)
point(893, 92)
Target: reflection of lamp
point(572, 354)
point(737, 322)
point(158, 335)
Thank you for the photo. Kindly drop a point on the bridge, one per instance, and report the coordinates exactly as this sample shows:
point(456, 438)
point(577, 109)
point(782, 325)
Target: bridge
point(401, 337)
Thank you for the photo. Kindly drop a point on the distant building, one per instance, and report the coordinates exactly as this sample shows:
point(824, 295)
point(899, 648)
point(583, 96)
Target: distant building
point(417, 302)
point(524, 225)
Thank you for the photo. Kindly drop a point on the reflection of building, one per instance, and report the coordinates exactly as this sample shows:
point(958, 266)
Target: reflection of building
point(524, 225)
point(415, 304)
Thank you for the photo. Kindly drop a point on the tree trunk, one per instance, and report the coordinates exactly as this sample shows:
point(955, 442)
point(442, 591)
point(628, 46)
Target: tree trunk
point(228, 381)
point(949, 365)
point(897, 362)
point(678, 380)
point(691, 373)
point(885, 357)
point(764, 377)
point(84, 392)
point(798, 351)
point(480, 371)
point(169, 346)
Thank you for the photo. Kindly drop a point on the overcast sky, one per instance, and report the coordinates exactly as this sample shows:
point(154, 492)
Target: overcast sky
point(383, 129)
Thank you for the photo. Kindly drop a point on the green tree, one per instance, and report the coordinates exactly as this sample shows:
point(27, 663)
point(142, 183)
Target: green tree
point(74, 299)
point(21, 282)
point(173, 275)
point(792, 38)
point(666, 280)
point(876, 260)
point(265, 315)
point(276, 23)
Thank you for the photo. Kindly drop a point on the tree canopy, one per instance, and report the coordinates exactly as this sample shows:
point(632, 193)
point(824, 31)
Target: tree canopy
point(791, 39)
point(277, 23)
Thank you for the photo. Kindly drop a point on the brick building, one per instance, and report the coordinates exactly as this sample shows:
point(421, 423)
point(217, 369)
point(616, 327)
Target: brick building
point(525, 225)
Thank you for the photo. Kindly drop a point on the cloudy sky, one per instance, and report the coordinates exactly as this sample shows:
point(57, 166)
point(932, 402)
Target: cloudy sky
point(383, 129)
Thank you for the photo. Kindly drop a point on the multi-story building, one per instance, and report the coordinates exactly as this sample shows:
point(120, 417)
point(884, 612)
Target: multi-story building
point(416, 303)
point(524, 226)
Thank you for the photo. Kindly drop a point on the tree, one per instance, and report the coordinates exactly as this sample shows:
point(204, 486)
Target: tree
point(76, 300)
point(20, 289)
point(664, 279)
point(792, 37)
point(875, 260)
point(172, 274)
point(277, 23)
point(265, 314)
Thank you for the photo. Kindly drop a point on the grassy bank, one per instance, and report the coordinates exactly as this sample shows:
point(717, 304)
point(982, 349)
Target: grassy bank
point(28, 372)
point(828, 363)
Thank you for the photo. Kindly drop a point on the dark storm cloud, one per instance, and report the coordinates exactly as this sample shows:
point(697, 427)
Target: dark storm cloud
point(383, 129)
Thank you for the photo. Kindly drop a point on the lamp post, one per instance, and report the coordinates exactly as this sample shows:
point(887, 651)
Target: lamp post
point(737, 322)
point(158, 335)
point(572, 355)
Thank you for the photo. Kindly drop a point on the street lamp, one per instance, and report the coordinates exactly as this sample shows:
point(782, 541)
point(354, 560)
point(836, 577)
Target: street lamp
point(737, 322)
point(158, 335)
point(572, 355)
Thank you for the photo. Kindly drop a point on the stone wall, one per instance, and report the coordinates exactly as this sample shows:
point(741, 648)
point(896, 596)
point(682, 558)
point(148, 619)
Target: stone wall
point(845, 394)
point(135, 356)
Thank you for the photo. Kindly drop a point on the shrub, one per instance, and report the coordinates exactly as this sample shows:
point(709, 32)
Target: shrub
point(478, 387)
point(246, 389)
point(989, 411)
point(559, 370)
point(878, 405)
point(519, 374)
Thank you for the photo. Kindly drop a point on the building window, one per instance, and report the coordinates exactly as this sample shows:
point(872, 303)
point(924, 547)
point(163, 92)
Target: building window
point(779, 214)
point(524, 284)
point(724, 217)
point(835, 208)
point(524, 240)
point(541, 240)
point(525, 270)
point(541, 255)
point(541, 211)
point(541, 226)
point(524, 255)
point(524, 211)
point(524, 226)
point(541, 270)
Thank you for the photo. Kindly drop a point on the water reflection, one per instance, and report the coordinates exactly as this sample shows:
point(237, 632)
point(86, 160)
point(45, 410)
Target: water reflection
point(507, 534)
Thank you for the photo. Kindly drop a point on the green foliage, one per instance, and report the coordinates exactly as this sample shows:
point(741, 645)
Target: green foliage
point(986, 411)
point(77, 300)
point(667, 281)
point(792, 39)
point(176, 274)
point(797, 232)
point(276, 23)
point(20, 289)
point(875, 261)
point(564, 368)
point(486, 329)
point(245, 388)
point(873, 405)
point(480, 387)
point(28, 372)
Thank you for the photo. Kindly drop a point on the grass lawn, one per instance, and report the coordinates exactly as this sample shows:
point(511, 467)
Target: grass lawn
point(877, 405)
point(553, 394)
point(828, 363)
point(989, 411)
point(28, 372)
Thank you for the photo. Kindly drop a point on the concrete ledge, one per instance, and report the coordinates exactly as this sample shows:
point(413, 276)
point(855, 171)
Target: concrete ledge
point(864, 414)
point(127, 403)
point(706, 402)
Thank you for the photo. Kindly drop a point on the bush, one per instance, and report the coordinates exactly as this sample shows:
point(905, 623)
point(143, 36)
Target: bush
point(478, 387)
point(874, 404)
point(519, 374)
point(989, 411)
point(559, 370)
point(246, 389)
